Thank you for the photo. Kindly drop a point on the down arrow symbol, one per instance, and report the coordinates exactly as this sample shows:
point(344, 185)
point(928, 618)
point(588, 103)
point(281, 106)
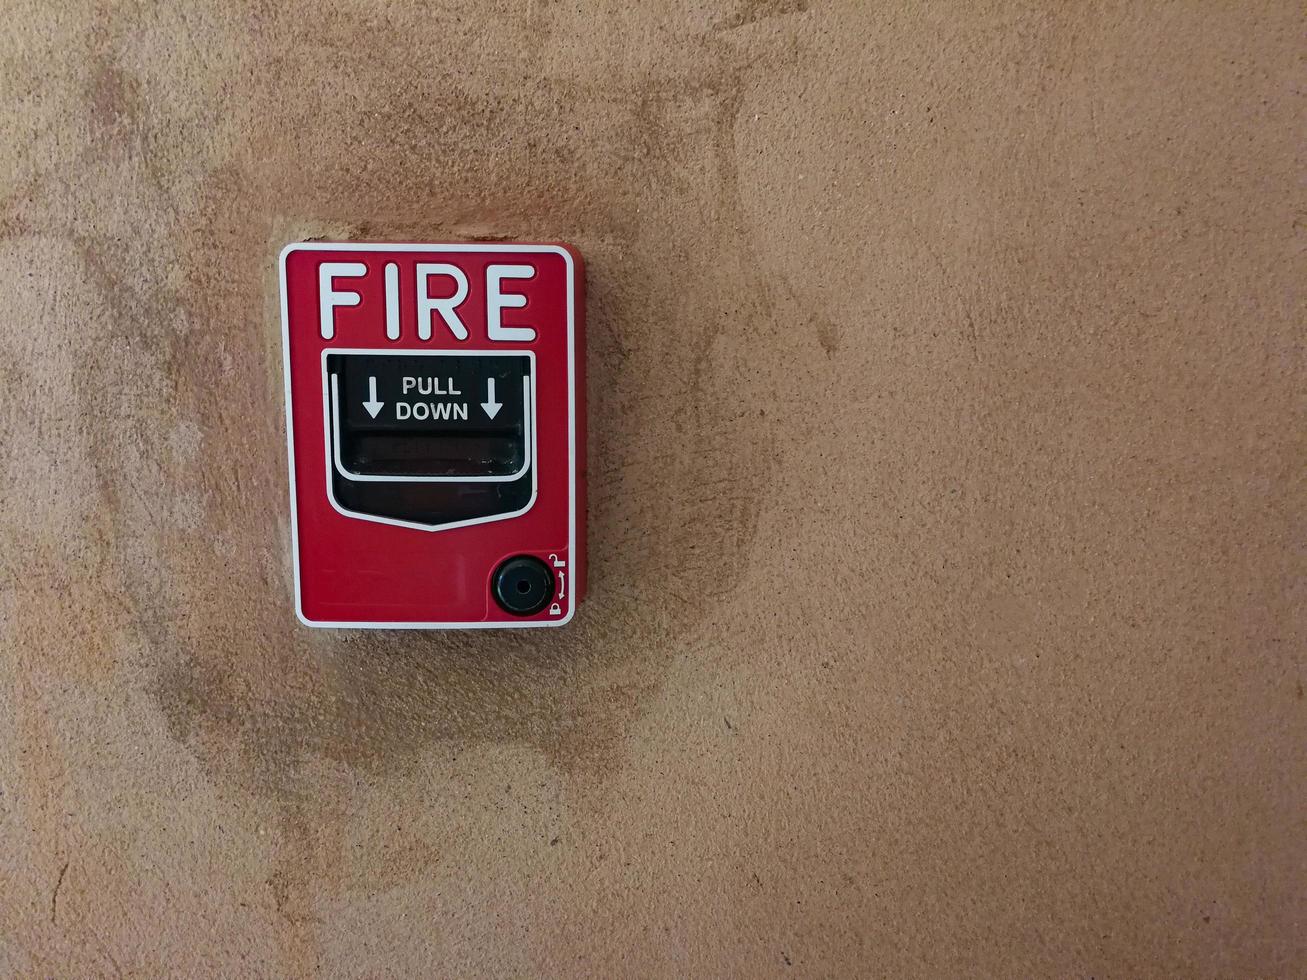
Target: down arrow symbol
point(372, 405)
point(490, 406)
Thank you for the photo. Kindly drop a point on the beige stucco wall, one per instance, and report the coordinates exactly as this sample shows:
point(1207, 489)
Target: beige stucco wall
point(947, 495)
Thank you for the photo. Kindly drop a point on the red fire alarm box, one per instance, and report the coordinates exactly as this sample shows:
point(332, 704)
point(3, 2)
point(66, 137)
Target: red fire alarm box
point(435, 426)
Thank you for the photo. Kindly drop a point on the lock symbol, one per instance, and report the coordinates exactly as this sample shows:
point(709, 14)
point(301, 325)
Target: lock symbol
point(555, 610)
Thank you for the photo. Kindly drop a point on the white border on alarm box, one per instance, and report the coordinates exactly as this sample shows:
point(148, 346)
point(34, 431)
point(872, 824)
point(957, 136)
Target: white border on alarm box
point(571, 419)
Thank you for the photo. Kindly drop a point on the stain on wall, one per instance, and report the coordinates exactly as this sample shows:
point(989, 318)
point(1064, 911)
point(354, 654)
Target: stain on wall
point(945, 488)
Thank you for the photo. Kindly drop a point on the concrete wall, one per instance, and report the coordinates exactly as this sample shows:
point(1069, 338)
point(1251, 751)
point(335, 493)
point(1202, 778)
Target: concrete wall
point(947, 495)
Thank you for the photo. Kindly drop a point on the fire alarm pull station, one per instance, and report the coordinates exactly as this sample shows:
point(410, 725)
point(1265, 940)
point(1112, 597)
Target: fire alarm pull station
point(435, 424)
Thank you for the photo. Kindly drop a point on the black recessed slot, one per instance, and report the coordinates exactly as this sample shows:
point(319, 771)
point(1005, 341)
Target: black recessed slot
point(430, 438)
point(403, 454)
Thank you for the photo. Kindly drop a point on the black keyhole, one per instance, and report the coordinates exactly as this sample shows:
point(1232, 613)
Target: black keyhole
point(523, 585)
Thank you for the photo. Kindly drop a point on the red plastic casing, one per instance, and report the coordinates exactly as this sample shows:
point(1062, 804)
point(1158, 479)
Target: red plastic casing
point(359, 571)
